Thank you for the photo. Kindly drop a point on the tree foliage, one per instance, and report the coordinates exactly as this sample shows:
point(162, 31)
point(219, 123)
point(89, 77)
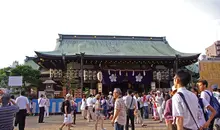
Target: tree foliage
point(4, 73)
point(29, 74)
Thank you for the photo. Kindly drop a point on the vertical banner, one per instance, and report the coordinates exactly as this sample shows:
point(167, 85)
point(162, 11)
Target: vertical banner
point(100, 87)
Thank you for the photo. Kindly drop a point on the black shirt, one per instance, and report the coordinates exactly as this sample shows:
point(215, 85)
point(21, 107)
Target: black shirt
point(67, 103)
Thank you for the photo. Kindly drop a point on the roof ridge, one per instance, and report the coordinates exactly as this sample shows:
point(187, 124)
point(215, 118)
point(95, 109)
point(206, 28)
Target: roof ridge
point(111, 37)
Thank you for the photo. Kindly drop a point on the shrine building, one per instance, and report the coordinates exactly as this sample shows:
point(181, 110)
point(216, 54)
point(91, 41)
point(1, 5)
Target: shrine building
point(118, 61)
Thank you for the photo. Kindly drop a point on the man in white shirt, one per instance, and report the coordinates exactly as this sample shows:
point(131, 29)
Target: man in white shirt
point(181, 114)
point(90, 102)
point(41, 103)
point(23, 104)
point(47, 105)
point(131, 106)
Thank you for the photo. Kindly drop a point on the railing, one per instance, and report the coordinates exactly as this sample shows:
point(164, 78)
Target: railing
point(55, 105)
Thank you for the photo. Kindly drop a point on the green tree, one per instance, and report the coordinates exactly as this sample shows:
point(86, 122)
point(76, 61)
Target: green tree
point(30, 75)
point(4, 73)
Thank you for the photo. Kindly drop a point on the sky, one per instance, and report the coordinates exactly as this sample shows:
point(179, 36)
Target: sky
point(33, 25)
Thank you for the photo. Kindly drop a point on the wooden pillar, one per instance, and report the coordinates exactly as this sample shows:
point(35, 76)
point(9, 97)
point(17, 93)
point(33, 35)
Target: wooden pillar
point(176, 62)
point(170, 78)
point(82, 74)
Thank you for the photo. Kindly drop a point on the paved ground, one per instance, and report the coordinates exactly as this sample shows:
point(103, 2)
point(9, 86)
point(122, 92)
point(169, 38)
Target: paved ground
point(54, 122)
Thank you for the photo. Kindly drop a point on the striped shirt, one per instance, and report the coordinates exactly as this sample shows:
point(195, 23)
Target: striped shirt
point(7, 114)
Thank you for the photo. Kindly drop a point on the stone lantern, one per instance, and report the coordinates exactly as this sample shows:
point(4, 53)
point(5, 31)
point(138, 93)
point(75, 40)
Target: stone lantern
point(49, 91)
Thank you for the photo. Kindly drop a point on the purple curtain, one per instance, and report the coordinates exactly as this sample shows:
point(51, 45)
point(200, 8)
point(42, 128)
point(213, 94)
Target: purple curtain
point(111, 77)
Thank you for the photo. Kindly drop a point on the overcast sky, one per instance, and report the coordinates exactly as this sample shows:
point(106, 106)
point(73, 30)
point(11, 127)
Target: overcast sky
point(27, 25)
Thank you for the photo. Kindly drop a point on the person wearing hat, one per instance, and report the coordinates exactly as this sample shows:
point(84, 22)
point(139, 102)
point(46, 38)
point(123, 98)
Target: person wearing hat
point(7, 112)
point(67, 113)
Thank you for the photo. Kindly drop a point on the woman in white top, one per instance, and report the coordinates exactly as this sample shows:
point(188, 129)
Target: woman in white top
point(202, 122)
point(84, 107)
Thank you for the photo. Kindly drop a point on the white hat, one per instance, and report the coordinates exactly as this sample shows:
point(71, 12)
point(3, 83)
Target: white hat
point(158, 91)
point(68, 95)
point(110, 92)
point(173, 88)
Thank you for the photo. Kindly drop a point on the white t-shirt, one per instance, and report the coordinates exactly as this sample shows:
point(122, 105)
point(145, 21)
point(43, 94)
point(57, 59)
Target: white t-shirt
point(179, 108)
point(205, 96)
point(83, 105)
point(22, 101)
point(90, 102)
point(41, 102)
point(201, 114)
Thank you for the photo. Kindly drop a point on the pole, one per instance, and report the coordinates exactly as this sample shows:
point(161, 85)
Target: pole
point(176, 63)
point(82, 74)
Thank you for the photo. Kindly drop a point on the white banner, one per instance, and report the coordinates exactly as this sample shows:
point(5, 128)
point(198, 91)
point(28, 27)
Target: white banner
point(15, 81)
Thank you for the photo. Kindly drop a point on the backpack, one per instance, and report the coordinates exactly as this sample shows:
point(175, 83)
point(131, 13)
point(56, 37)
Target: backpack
point(202, 106)
point(215, 104)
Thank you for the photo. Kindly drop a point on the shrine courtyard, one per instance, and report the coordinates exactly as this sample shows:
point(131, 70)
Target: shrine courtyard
point(54, 122)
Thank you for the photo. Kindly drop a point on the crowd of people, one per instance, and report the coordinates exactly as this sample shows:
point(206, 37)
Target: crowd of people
point(181, 108)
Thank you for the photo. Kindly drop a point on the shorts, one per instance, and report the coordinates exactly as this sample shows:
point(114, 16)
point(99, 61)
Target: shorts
point(68, 119)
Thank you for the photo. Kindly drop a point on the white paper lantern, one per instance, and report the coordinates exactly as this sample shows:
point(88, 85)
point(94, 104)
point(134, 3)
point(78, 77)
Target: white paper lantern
point(99, 76)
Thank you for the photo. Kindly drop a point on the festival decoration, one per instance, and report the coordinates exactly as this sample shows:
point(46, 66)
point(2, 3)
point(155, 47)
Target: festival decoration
point(139, 78)
point(144, 73)
point(85, 74)
point(113, 78)
point(99, 76)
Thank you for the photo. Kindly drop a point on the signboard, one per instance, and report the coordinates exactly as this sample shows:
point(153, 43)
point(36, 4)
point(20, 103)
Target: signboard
point(153, 85)
point(210, 71)
point(99, 87)
point(15, 81)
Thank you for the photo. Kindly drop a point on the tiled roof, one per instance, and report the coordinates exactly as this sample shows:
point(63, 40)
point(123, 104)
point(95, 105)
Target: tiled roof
point(71, 45)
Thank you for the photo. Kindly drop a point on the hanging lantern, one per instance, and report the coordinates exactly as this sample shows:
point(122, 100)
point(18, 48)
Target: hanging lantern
point(109, 72)
point(85, 74)
point(80, 73)
point(74, 74)
point(120, 72)
point(60, 73)
point(51, 73)
point(55, 73)
point(144, 73)
point(90, 75)
point(94, 75)
point(99, 76)
point(133, 73)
